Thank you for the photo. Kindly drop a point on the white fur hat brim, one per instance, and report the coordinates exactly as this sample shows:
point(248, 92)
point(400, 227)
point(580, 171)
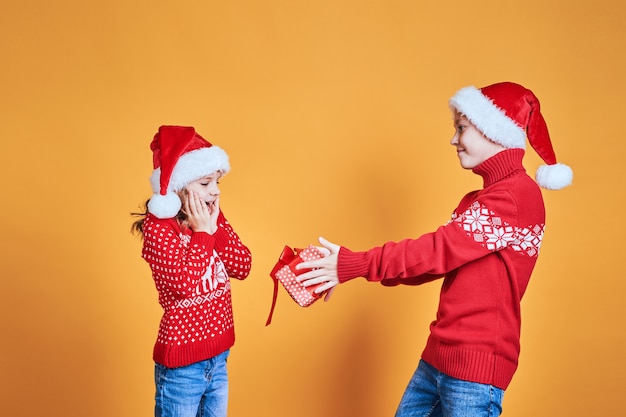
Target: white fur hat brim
point(488, 118)
point(190, 166)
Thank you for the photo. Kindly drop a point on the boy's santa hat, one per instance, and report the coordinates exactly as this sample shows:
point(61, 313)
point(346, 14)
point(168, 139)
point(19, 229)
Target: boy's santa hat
point(508, 113)
point(179, 156)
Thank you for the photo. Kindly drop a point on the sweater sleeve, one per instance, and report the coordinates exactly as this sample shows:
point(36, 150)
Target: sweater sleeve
point(478, 227)
point(419, 280)
point(235, 255)
point(175, 266)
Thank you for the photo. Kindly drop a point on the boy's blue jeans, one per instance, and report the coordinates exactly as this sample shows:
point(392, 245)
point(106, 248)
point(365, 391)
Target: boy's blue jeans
point(431, 393)
point(196, 390)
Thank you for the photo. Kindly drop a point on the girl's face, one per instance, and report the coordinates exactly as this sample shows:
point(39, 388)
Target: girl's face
point(206, 187)
point(472, 147)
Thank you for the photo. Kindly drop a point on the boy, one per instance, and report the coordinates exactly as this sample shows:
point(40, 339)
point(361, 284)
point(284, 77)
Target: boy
point(485, 254)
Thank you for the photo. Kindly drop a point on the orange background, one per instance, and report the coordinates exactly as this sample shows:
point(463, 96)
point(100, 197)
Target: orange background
point(334, 114)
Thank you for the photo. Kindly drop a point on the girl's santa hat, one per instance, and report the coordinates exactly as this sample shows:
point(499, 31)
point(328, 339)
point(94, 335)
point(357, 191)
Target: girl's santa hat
point(180, 156)
point(507, 113)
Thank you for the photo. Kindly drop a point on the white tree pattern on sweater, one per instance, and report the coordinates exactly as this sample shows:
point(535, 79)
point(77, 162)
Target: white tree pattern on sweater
point(488, 229)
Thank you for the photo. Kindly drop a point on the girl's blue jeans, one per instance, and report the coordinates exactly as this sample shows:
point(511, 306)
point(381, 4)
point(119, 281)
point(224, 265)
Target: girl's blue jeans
point(431, 393)
point(196, 390)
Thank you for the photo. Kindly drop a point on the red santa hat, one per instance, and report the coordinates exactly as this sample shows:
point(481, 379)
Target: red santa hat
point(179, 156)
point(508, 113)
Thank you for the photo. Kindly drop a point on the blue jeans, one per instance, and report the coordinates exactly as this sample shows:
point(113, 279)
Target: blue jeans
point(431, 393)
point(196, 390)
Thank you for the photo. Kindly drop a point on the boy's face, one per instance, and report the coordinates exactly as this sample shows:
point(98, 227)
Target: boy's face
point(472, 147)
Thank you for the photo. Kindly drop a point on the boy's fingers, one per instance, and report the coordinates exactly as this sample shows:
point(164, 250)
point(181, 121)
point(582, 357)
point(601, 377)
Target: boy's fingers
point(308, 275)
point(332, 247)
point(325, 251)
point(327, 286)
point(329, 293)
point(316, 264)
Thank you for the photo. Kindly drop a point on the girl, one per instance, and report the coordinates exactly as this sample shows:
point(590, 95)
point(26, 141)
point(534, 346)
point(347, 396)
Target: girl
point(192, 251)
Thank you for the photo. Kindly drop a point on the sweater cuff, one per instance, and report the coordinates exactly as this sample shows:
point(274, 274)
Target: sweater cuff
point(221, 238)
point(351, 265)
point(203, 239)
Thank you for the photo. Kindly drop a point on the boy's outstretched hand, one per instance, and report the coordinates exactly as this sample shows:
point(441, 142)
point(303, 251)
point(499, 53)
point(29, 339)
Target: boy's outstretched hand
point(324, 270)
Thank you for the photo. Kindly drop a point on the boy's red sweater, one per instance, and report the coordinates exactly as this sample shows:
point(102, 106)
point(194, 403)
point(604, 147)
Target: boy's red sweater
point(191, 272)
point(486, 254)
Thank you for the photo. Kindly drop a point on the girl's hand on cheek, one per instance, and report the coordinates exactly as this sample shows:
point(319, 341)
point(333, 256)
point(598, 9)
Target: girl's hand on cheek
point(214, 211)
point(198, 214)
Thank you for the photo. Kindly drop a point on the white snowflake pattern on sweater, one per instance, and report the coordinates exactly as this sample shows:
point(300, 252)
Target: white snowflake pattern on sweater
point(488, 229)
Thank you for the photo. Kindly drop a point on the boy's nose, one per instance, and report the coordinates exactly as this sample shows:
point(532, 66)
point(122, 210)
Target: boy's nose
point(455, 140)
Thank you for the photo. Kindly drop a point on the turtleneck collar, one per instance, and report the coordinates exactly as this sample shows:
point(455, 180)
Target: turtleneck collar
point(500, 166)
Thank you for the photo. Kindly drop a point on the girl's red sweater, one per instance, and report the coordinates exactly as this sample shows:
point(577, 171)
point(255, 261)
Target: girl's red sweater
point(191, 272)
point(486, 254)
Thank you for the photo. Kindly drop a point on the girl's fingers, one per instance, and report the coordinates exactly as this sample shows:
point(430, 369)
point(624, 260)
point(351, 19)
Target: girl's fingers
point(197, 204)
point(191, 205)
point(193, 209)
point(186, 204)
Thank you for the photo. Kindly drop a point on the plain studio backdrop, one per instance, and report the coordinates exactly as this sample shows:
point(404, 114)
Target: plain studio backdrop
point(335, 117)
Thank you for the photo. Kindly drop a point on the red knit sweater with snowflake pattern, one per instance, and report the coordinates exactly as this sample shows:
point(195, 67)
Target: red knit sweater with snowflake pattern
point(486, 254)
point(191, 272)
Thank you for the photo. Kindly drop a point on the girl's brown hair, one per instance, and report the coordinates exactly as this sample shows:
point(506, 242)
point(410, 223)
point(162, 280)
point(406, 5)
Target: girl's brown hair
point(137, 226)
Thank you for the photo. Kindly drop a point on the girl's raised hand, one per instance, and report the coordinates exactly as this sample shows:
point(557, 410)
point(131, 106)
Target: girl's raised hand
point(201, 217)
point(214, 210)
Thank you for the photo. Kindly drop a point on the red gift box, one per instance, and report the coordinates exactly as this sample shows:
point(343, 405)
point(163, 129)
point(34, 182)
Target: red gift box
point(285, 272)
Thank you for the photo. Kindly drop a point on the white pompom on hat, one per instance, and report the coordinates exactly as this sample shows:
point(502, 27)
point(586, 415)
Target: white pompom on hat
point(508, 113)
point(179, 156)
